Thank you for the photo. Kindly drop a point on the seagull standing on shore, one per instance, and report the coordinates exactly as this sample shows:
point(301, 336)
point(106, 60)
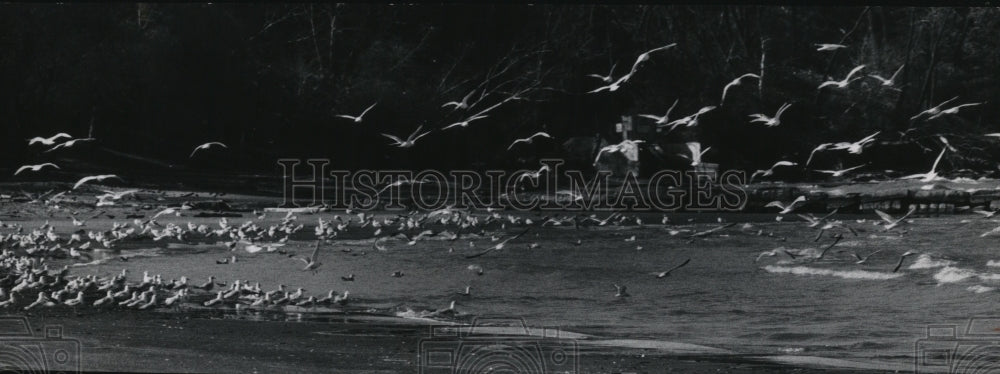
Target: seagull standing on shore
point(206, 146)
point(360, 117)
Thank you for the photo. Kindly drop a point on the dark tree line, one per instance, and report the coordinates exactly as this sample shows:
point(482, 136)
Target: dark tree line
point(155, 80)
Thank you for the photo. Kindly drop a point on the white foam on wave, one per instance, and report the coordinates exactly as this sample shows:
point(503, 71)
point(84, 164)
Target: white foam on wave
point(993, 264)
point(925, 261)
point(951, 274)
point(980, 288)
point(846, 274)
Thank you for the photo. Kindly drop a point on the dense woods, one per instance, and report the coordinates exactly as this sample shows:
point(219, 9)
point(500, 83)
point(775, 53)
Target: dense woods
point(155, 80)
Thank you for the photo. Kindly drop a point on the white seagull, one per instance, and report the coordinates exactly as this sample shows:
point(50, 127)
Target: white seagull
point(934, 110)
point(785, 209)
point(35, 167)
point(529, 139)
point(769, 172)
point(69, 143)
point(888, 82)
point(847, 80)
point(661, 120)
point(770, 121)
point(410, 141)
point(696, 153)
point(930, 175)
point(828, 47)
point(614, 86)
point(311, 263)
point(952, 110)
point(359, 117)
point(838, 173)
point(890, 222)
point(735, 82)
point(93, 178)
point(605, 78)
point(206, 146)
point(689, 121)
point(464, 104)
point(50, 140)
point(463, 123)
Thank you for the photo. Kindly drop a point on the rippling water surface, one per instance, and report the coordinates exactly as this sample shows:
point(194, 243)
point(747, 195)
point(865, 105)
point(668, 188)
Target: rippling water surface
point(831, 307)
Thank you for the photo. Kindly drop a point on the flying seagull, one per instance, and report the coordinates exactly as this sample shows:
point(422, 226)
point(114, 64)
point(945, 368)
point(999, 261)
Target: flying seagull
point(735, 82)
point(770, 121)
point(768, 172)
point(605, 78)
point(952, 110)
point(891, 222)
point(464, 104)
point(667, 273)
point(934, 110)
point(94, 178)
point(786, 208)
point(696, 153)
point(614, 86)
point(49, 141)
point(930, 175)
point(35, 167)
point(359, 117)
point(311, 263)
point(828, 47)
point(464, 123)
point(888, 82)
point(838, 173)
point(529, 139)
point(901, 258)
point(410, 141)
point(206, 146)
point(661, 120)
point(69, 143)
point(847, 80)
point(499, 246)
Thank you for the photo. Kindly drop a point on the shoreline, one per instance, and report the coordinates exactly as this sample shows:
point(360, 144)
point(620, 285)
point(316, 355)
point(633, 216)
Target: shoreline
point(173, 342)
